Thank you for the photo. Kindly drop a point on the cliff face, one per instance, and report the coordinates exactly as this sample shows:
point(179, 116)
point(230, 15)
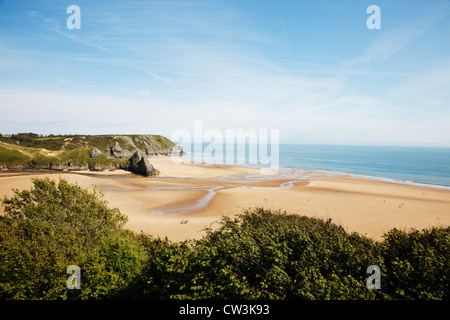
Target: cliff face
point(95, 153)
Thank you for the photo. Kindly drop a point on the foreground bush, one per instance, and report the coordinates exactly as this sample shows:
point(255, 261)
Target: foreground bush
point(64, 205)
point(417, 263)
point(55, 225)
point(264, 255)
point(259, 254)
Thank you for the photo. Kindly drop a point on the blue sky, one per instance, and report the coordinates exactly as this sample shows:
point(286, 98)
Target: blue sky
point(311, 69)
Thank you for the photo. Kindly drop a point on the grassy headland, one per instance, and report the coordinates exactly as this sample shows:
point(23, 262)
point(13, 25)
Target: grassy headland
point(74, 152)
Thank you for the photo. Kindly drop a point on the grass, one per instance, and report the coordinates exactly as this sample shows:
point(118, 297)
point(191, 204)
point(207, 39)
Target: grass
point(12, 157)
point(164, 141)
point(49, 143)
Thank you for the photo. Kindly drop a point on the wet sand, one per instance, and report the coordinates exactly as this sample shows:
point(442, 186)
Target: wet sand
point(201, 194)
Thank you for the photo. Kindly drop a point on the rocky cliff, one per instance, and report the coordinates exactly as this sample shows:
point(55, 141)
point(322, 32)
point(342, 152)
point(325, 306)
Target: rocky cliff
point(76, 152)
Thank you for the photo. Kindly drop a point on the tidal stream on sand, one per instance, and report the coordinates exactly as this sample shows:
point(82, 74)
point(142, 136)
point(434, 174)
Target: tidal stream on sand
point(283, 178)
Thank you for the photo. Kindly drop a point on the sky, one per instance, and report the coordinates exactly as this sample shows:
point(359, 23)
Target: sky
point(311, 69)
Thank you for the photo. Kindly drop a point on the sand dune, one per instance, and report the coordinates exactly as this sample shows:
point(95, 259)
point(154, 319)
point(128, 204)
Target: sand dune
point(201, 194)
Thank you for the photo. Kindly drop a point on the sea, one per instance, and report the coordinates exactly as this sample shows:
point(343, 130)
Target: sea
point(425, 166)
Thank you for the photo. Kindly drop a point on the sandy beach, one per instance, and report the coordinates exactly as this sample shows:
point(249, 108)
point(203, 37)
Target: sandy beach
point(201, 194)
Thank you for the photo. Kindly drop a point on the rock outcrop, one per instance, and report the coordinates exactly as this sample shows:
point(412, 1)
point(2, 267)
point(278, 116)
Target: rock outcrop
point(177, 150)
point(138, 164)
point(123, 147)
point(95, 153)
point(117, 151)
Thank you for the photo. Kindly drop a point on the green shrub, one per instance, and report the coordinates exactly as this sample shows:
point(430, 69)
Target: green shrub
point(123, 253)
point(264, 255)
point(35, 257)
point(417, 263)
point(55, 225)
point(66, 205)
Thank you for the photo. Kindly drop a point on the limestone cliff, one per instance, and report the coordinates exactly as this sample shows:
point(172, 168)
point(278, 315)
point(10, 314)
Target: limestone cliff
point(29, 151)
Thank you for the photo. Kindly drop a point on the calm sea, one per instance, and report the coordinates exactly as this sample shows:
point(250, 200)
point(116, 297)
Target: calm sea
point(406, 164)
point(421, 165)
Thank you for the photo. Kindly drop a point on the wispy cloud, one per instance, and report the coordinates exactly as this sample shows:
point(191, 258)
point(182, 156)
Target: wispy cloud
point(154, 75)
point(53, 25)
point(392, 41)
point(427, 91)
point(59, 31)
point(65, 82)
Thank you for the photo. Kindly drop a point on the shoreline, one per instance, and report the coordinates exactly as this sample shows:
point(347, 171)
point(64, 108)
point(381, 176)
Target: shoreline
point(356, 175)
point(403, 182)
point(363, 176)
point(121, 173)
point(201, 194)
